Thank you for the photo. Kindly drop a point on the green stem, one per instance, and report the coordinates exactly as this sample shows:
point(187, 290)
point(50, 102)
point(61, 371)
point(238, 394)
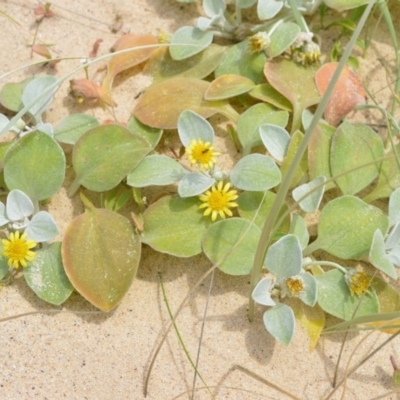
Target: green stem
point(266, 234)
point(297, 16)
point(326, 264)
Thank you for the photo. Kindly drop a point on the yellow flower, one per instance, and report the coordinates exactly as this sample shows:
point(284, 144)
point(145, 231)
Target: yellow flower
point(294, 286)
point(218, 201)
point(201, 153)
point(358, 282)
point(17, 249)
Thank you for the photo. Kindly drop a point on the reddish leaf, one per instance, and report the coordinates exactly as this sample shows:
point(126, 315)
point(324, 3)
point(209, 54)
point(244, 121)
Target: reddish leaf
point(85, 90)
point(347, 93)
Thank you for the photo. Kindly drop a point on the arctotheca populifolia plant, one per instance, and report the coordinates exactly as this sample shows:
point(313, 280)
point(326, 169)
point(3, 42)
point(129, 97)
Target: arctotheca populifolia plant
point(258, 99)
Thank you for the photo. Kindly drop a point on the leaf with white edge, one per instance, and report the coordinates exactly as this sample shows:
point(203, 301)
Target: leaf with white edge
point(175, 226)
point(255, 172)
point(314, 190)
point(35, 164)
point(151, 135)
point(309, 296)
point(19, 205)
point(33, 95)
point(334, 297)
point(104, 155)
point(347, 225)
point(71, 128)
point(284, 257)
point(156, 170)
point(192, 126)
point(262, 293)
point(213, 7)
point(45, 275)
point(353, 146)
point(232, 243)
point(42, 227)
point(194, 184)
point(393, 238)
point(298, 227)
point(276, 140)
point(378, 257)
point(282, 38)
point(255, 206)
point(280, 323)
point(188, 41)
point(101, 254)
point(394, 207)
point(250, 120)
point(267, 9)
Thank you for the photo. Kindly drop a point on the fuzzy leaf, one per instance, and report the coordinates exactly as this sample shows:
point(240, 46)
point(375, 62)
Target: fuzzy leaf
point(255, 172)
point(265, 92)
point(282, 38)
point(378, 257)
point(280, 323)
point(192, 126)
point(188, 41)
point(194, 184)
point(311, 202)
point(226, 86)
point(276, 140)
point(101, 254)
point(45, 275)
point(71, 128)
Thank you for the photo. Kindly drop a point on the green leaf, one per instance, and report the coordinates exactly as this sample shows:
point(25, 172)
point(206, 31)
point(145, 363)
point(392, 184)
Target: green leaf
point(156, 170)
point(255, 172)
point(4, 268)
point(71, 128)
point(265, 92)
point(299, 228)
point(45, 275)
point(188, 41)
point(353, 146)
point(334, 297)
point(232, 243)
point(342, 5)
point(347, 225)
point(296, 83)
point(267, 9)
point(319, 148)
point(175, 226)
point(250, 121)
point(194, 184)
point(280, 323)
point(255, 207)
point(226, 86)
point(284, 257)
point(309, 195)
point(103, 156)
point(239, 60)
point(394, 207)
point(276, 140)
point(35, 164)
point(161, 66)
point(152, 135)
point(282, 38)
point(192, 126)
point(378, 257)
point(11, 96)
point(101, 254)
point(161, 104)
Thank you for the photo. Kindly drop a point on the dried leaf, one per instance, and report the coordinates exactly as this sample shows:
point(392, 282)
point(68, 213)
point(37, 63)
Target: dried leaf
point(85, 90)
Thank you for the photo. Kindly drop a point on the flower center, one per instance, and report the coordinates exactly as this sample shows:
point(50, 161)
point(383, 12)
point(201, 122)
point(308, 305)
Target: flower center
point(202, 153)
point(359, 283)
point(295, 286)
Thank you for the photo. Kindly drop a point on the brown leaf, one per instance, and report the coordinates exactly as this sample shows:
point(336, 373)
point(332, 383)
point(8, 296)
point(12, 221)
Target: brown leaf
point(347, 93)
point(85, 90)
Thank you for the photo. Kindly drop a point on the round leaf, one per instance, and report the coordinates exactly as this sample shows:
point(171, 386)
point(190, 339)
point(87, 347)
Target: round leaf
point(378, 257)
point(255, 172)
point(276, 140)
point(267, 9)
point(353, 146)
point(156, 170)
point(71, 128)
point(309, 195)
point(192, 126)
point(282, 37)
point(334, 297)
point(19, 205)
point(347, 225)
point(226, 86)
point(41, 227)
point(232, 243)
point(101, 254)
point(175, 226)
point(45, 275)
point(280, 323)
point(103, 156)
point(188, 41)
point(193, 184)
point(35, 164)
